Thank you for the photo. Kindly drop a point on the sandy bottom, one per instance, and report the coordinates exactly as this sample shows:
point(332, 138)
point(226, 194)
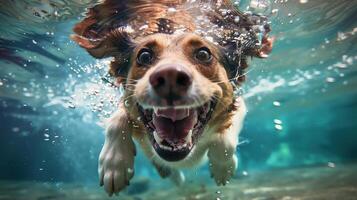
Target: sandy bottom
point(334, 182)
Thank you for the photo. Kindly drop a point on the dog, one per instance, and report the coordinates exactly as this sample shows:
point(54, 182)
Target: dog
point(180, 63)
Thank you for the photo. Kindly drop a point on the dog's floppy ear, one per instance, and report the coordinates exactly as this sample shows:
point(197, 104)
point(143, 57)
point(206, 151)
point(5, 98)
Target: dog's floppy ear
point(145, 17)
point(116, 43)
point(142, 17)
point(97, 33)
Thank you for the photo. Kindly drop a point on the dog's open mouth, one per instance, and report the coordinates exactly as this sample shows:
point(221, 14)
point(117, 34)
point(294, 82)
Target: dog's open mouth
point(174, 132)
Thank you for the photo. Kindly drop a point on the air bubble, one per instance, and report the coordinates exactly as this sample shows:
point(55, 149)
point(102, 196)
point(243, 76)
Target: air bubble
point(126, 103)
point(278, 121)
point(341, 36)
point(171, 10)
point(276, 103)
point(224, 12)
point(330, 79)
point(71, 106)
point(15, 129)
point(143, 27)
point(278, 127)
point(331, 165)
point(236, 19)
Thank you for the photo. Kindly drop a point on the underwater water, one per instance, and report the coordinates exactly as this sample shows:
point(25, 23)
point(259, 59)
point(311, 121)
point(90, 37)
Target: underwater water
point(53, 99)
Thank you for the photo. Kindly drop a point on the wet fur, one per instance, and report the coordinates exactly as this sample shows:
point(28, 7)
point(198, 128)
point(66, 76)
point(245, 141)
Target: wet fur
point(218, 140)
point(102, 38)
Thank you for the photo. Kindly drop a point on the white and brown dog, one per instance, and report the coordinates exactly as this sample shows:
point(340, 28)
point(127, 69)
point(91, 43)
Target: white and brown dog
point(179, 62)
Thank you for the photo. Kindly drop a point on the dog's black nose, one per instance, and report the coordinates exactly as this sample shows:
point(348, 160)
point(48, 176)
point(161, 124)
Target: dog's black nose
point(171, 81)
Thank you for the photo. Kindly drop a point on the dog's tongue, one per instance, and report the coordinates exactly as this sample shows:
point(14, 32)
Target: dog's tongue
point(173, 114)
point(174, 124)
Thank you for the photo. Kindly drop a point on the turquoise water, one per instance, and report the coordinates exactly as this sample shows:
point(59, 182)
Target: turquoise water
point(301, 100)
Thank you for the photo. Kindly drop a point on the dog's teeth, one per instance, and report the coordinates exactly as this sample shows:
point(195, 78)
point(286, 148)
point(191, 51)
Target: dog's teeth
point(189, 141)
point(157, 138)
point(187, 112)
point(162, 146)
point(165, 147)
point(156, 110)
point(179, 147)
point(182, 146)
point(188, 138)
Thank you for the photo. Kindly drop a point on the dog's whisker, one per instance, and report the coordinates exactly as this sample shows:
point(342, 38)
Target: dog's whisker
point(126, 98)
point(196, 101)
point(129, 89)
point(234, 78)
point(131, 85)
point(131, 81)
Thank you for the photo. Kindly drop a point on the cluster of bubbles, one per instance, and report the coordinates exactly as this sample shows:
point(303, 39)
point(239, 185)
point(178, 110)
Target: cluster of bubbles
point(98, 92)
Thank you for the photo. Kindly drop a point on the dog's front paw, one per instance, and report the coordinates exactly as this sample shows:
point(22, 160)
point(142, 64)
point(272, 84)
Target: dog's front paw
point(223, 171)
point(116, 166)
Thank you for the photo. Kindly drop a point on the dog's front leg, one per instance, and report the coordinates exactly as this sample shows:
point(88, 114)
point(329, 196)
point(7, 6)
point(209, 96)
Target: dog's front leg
point(221, 153)
point(222, 160)
point(116, 159)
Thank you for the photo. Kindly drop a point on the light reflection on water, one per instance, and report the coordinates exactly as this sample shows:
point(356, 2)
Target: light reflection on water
point(301, 100)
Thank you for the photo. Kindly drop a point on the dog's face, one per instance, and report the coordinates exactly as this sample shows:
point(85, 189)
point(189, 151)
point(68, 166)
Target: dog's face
point(175, 81)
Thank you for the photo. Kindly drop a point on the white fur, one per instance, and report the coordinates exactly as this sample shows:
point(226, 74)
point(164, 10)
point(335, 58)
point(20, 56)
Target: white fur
point(222, 159)
point(116, 160)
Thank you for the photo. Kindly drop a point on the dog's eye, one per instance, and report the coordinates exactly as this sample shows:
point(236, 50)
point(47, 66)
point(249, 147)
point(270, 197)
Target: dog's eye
point(203, 54)
point(145, 56)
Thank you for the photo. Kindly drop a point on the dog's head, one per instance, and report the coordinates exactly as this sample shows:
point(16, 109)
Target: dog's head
point(177, 76)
